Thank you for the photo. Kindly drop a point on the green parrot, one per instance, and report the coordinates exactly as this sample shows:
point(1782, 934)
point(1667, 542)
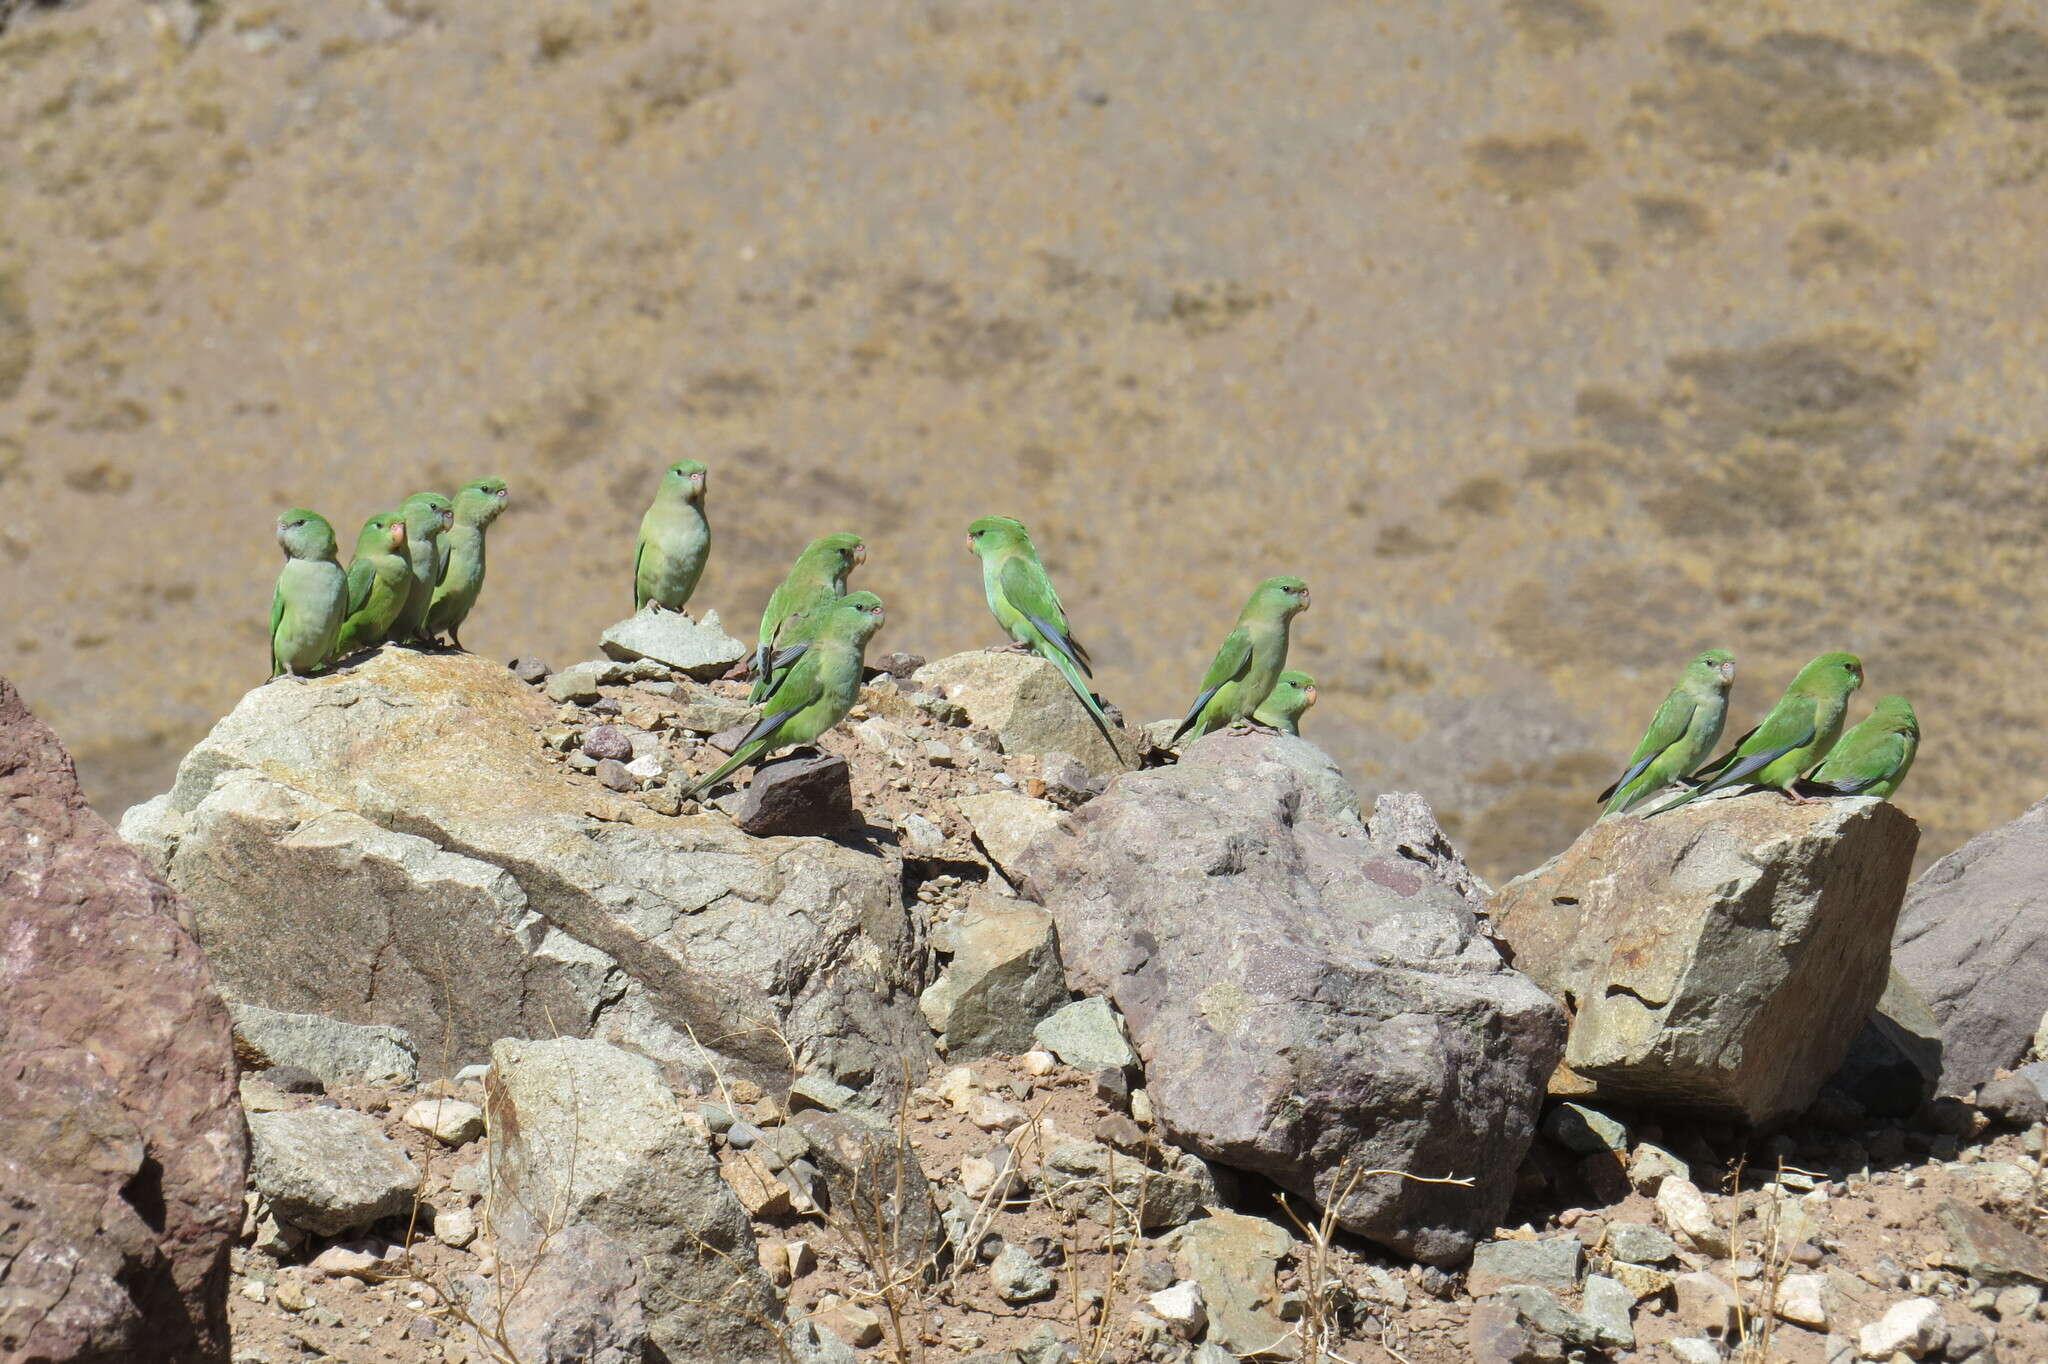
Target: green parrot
point(675, 539)
point(427, 517)
point(1797, 733)
point(1022, 599)
point(798, 607)
point(815, 692)
point(477, 504)
point(379, 575)
point(311, 598)
point(1250, 661)
point(1682, 732)
point(1874, 757)
point(1293, 693)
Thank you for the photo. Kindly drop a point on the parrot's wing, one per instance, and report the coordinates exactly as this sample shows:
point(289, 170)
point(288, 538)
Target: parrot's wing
point(1667, 727)
point(1026, 587)
point(1230, 663)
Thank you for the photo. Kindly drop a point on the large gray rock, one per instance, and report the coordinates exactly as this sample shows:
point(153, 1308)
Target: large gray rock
point(1720, 958)
point(339, 1053)
point(1971, 938)
point(700, 648)
point(388, 845)
point(585, 1134)
point(329, 1170)
point(1310, 993)
point(1236, 1260)
point(1028, 704)
point(1004, 977)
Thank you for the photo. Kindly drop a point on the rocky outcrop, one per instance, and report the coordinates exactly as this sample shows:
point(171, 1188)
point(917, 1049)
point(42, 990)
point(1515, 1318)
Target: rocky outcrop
point(122, 1150)
point(1029, 705)
point(1972, 937)
point(1309, 991)
point(1718, 959)
point(584, 1134)
point(388, 845)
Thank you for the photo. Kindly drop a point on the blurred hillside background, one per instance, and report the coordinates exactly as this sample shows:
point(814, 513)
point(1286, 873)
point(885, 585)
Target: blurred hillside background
point(1550, 340)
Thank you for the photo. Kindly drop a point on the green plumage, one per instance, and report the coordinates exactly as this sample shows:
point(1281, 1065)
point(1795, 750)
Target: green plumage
point(1251, 660)
point(1797, 733)
point(1293, 692)
point(477, 504)
point(1874, 757)
point(675, 539)
point(799, 605)
point(427, 518)
point(1021, 598)
point(311, 597)
point(1681, 734)
point(379, 576)
point(815, 692)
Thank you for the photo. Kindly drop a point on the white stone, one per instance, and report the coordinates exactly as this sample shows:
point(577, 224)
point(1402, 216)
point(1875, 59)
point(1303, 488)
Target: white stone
point(451, 1122)
point(1694, 1350)
point(1181, 1308)
point(991, 1114)
point(455, 1226)
point(958, 1088)
point(1913, 1328)
point(1686, 1215)
point(1802, 1298)
point(1039, 1062)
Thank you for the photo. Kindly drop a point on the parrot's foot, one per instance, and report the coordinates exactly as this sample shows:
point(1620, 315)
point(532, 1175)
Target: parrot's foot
point(1795, 797)
point(1011, 648)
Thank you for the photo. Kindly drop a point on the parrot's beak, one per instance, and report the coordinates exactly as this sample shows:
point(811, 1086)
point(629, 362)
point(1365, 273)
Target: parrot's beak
point(1310, 693)
point(860, 555)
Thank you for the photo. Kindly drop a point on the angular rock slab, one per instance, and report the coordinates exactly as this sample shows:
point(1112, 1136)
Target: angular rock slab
point(1719, 959)
point(338, 1053)
point(1029, 705)
point(1310, 993)
point(699, 648)
point(329, 1170)
point(1971, 939)
point(585, 1134)
point(1004, 977)
point(122, 1150)
point(388, 845)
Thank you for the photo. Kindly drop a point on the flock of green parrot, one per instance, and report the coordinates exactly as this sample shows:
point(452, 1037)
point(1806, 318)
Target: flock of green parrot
point(1798, 748)
point(416, 573)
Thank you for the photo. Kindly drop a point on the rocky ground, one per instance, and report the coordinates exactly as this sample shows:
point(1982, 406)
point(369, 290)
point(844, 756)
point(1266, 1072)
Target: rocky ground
point(1840, 1239)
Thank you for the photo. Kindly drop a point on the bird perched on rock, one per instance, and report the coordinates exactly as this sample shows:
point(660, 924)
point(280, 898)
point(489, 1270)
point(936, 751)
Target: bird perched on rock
point(1252, 657)
point(675, 539)
point(1293, 693)
point(1795, 736)
point(1682, 732)
point(799, 605)
point(1022, 599)
point(427, 517)
point(379, 576)
point(815, 692)
point(311, 599)
point(1873, 757)
point(477, 504)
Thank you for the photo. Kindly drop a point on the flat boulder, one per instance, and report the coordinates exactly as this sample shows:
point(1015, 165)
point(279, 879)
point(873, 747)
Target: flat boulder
point(329, 1170)
point(1971, 939)
point(1029, 705)
point(583, 1134)
point(1720, 959)
point(1309, 992)
point(389, 845)
point(122, 1151)
point(336, 1053)
point(697, 648)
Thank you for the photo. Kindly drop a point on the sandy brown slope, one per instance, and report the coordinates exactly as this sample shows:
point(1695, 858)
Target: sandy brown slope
point(1550, 342)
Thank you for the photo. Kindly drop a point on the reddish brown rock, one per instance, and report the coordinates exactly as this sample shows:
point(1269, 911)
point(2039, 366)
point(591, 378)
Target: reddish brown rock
point(122, 1147)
